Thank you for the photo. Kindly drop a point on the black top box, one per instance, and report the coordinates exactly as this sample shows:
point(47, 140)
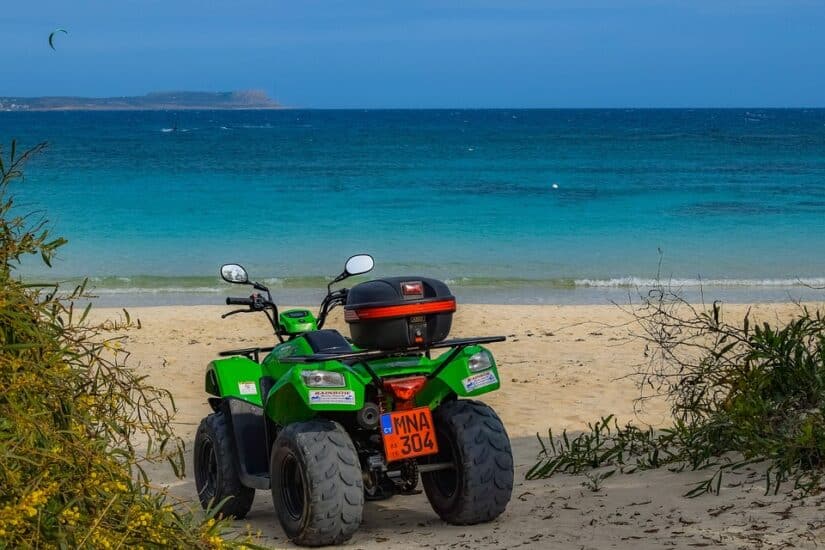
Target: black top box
point(399, 312)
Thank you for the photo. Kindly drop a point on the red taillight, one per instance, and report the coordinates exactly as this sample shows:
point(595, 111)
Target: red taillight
point(414, 288)
point(403, 310)
point(404, 389)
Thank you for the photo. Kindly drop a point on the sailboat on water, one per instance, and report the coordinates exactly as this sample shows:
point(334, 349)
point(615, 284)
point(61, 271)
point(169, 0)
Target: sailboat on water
point(174, 127)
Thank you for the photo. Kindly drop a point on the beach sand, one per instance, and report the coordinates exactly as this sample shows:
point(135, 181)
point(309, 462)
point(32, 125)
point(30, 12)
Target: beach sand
point(561, 367)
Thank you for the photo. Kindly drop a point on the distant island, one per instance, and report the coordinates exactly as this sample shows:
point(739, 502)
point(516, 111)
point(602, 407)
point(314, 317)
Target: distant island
point(155, 101)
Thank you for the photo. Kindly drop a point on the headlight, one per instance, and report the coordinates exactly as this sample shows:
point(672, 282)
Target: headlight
point(323, 379)
point(480, 361)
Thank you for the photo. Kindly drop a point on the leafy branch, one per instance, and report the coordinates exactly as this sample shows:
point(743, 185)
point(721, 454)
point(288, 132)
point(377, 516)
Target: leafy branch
point(740, 393)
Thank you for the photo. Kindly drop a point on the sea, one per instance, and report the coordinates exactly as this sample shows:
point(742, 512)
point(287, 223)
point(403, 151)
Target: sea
point(506, 205)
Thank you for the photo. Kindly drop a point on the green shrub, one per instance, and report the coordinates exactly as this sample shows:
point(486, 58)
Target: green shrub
point(70, 414)
point(739, 393)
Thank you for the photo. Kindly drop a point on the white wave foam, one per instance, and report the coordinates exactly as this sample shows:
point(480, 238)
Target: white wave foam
point(159, 290)
point(616, 282)
point(641, 282)
point(103, 279)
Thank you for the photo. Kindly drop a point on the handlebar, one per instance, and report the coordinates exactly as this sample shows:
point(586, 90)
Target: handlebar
point(239, 301)
point(256, 302)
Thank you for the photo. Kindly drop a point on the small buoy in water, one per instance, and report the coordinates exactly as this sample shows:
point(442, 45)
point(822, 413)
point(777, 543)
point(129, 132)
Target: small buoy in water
point(555, 186)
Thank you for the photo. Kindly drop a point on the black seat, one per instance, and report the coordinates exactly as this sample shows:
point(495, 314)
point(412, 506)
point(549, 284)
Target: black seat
point(327, 341)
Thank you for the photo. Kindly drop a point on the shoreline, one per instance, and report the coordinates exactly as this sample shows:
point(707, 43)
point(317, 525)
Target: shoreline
point(577, 296)
point(189, 290)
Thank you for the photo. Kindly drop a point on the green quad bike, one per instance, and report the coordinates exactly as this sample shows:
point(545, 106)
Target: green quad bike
point(326, 422)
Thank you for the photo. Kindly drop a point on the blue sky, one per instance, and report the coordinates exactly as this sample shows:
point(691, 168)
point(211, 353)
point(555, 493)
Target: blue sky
point(358, 53)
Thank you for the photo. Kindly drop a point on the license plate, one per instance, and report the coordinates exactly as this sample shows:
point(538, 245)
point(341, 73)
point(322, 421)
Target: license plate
point(408, 434)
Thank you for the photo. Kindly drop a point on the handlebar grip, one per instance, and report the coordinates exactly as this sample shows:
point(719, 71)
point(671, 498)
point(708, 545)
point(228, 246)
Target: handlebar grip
point(239, 301)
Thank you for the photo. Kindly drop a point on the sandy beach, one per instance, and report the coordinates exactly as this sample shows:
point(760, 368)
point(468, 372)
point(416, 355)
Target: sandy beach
point(562, 366)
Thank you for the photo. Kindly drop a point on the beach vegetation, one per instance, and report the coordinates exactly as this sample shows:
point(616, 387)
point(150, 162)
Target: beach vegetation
point(741, 392)
point(77, 423)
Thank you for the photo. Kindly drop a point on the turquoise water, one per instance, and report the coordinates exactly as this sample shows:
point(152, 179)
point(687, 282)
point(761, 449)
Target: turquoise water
point(507, 205)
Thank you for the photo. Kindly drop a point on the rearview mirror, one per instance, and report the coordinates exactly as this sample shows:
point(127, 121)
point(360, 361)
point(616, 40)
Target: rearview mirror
point(234, 273)
point(358, 264)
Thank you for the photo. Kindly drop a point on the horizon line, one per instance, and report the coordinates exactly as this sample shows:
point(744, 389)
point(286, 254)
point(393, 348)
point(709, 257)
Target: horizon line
point(408, 108)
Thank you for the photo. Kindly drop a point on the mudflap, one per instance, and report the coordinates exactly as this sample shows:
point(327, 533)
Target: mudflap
point(248, 427)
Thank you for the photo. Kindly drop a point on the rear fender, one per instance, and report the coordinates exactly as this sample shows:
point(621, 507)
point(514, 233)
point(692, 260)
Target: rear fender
point(456, 379)
point(290, 400)
point(235, 377)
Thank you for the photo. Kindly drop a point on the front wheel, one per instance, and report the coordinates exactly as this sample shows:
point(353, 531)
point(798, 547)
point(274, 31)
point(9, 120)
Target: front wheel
point(216, 476)
point(478, 486)
point(317, 487)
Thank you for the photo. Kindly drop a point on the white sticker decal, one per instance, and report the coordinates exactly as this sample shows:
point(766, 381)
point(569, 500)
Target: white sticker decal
point(331, 397)
point(247, 388)
point(479, 380)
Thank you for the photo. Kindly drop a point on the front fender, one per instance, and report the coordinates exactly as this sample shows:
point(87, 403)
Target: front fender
point(290, 400)
point(235, 377)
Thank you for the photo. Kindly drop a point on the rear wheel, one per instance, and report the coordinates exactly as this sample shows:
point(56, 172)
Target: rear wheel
point(317, 488)
point(477, 488)
point(216, 476)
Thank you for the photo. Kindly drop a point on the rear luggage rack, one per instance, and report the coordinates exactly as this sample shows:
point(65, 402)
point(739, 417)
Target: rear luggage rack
point(250, 353)
point(459, 343)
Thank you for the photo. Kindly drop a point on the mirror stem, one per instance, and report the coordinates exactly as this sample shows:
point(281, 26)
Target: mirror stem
point(337, 279)
point(259, 286)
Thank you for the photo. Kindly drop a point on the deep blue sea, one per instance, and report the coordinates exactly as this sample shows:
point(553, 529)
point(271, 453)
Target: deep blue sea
point(521, 206)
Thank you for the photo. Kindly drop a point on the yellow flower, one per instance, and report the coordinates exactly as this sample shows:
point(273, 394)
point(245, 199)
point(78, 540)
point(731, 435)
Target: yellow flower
point(69, 516)
point(115, 486)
